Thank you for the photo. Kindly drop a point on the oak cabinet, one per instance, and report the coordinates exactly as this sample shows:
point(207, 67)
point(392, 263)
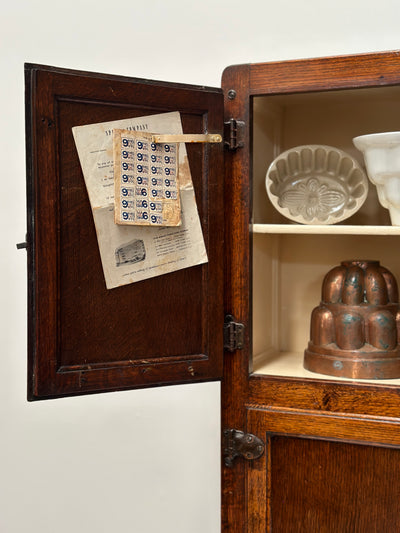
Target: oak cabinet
point(328, 441)
point(330, 446)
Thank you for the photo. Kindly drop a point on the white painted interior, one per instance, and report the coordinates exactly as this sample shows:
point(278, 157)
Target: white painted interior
point(141, 461)
point(290, 260)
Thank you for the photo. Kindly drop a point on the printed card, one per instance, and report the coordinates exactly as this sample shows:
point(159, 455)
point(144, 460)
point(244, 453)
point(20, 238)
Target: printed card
point(146, 180)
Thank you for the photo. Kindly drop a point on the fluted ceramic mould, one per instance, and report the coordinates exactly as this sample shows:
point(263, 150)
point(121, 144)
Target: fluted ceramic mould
point(355, 330)
point(382, 158)
point(316, 184)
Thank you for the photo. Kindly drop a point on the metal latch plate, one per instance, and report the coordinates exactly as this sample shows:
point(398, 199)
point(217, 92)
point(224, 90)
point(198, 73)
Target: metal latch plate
point(239, 444)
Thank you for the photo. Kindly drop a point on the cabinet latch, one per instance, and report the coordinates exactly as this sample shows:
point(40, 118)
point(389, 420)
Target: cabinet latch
point(234, 134)
point(233, 334)
point(239, 444)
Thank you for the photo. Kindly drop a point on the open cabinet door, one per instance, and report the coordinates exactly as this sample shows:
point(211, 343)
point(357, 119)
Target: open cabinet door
point(82, 336)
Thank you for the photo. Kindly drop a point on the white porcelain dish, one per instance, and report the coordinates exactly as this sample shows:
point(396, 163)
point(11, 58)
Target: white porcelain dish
point(316, 184)
point(381, 153)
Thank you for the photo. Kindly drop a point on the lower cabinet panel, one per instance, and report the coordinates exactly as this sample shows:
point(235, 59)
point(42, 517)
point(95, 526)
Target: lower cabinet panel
point(320, 486)
point(323, 474)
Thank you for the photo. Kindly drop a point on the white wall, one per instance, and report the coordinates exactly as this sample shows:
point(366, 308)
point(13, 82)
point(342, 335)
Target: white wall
point(139, 461)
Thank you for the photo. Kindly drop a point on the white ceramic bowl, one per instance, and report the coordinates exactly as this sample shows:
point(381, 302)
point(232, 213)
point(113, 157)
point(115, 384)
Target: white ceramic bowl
point(382, 158)
point(316, 184)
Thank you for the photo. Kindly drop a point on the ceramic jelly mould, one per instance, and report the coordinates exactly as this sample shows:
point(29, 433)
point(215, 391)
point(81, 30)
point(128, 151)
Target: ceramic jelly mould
point(316, 184)
point(381, 153)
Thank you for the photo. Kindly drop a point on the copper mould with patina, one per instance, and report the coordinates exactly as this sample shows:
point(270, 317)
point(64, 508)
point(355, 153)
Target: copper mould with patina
point(355, 331)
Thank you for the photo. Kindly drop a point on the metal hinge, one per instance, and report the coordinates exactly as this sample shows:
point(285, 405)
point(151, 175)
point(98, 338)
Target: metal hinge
point(234, 134)
point(233, 334)
point(239, 444)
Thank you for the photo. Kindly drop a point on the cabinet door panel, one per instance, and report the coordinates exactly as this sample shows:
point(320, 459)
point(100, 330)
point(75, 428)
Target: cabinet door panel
point(83, 337)
point(330, 486)
point(323, 473)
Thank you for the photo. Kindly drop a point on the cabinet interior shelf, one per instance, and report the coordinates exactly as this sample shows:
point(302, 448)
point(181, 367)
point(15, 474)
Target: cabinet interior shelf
point(324, 230)
point(290, 364)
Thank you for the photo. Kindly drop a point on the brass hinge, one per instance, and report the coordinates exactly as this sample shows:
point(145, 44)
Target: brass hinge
point(239, 444)
point(234, 134)
point(233, 334)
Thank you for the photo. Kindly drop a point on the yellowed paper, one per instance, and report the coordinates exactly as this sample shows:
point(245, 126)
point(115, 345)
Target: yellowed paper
point(134, 253)
point(146, 180)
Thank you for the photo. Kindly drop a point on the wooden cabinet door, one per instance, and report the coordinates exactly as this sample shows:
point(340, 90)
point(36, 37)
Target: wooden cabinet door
point(82, 337)
point(332, 447)
point(323, 473)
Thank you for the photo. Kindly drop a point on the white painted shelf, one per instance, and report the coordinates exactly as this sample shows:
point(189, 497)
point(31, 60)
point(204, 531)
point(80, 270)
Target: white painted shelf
point(324, 230)
point(290, 364)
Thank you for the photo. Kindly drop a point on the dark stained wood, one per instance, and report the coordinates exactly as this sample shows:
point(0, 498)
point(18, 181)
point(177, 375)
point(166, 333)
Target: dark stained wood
point(351, 428)
point(83, 337)
point(237, 287)
point(329, 396)
point(325, 73)
point(332, 487)
point(319, 474)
